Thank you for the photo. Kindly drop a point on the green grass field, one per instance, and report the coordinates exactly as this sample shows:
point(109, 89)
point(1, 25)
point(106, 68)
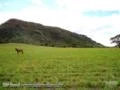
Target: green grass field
point(74, 67)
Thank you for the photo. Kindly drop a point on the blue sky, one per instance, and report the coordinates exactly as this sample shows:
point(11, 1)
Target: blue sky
point(101, 13)
point(98, 19)
point(13, 5)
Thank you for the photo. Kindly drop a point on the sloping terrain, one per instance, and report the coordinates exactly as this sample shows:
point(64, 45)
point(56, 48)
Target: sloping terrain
point(18, 31)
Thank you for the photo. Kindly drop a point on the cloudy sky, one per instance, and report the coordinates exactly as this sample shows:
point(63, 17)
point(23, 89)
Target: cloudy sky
point(98, 19)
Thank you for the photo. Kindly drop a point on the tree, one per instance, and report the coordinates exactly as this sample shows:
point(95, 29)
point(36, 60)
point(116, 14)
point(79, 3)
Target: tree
point(116, 40)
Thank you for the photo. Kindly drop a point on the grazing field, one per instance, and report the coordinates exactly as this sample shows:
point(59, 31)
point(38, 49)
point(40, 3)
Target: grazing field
point(73, 67)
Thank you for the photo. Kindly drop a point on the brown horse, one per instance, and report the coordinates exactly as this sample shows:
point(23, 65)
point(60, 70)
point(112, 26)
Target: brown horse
point(18, 50)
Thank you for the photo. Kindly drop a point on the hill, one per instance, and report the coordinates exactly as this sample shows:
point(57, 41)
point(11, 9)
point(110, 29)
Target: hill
point(18, 31)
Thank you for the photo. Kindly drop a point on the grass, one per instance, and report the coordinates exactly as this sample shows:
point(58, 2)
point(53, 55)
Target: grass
point(74, 67)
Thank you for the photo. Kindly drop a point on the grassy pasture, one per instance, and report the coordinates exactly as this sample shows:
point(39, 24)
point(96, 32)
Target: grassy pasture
point(74, 67)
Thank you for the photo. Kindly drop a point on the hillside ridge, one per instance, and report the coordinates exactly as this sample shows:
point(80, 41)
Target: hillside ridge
point(19, 31)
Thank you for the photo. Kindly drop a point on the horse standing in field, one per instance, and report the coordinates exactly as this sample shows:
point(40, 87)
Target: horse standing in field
point(18, 50)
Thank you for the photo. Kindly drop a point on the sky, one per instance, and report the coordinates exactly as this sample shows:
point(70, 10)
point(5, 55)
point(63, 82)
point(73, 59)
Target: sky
point(98, 19)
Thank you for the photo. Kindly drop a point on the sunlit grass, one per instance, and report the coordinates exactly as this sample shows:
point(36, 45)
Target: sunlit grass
point(81, 67)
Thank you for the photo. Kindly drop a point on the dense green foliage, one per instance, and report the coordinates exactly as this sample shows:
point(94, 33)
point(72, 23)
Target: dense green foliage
point(116, 39)
point(74, 67)
point(17, 31)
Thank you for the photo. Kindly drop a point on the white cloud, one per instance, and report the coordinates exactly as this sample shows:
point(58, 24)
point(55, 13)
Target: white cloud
point(68, 15)
point(83, 5)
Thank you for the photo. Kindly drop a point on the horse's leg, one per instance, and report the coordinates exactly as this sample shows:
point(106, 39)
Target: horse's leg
point(17, 52)
point(21, 51)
